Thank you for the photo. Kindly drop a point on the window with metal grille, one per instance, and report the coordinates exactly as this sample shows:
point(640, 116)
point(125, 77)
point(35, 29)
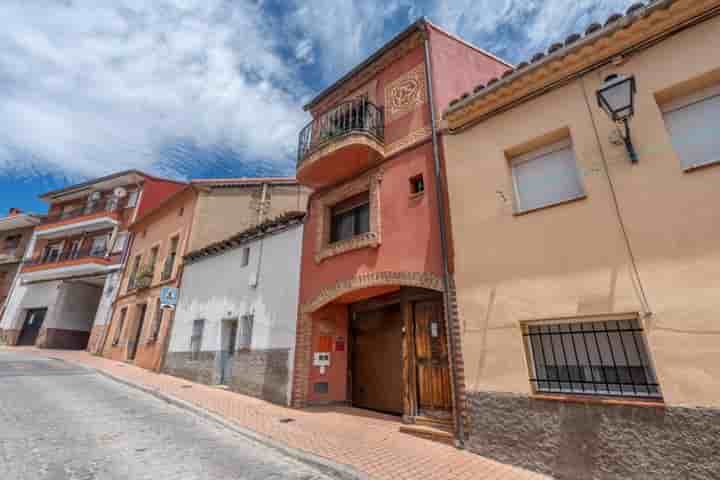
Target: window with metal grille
point(196, 339)
point(350, 218)
point(608, 358)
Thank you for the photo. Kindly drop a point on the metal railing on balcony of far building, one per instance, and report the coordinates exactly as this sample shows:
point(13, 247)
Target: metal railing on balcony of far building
point(70, 254)
point(90, 208)
point(357, 115)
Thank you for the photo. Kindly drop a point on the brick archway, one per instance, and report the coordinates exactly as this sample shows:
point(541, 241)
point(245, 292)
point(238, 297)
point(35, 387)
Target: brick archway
point(303, 347)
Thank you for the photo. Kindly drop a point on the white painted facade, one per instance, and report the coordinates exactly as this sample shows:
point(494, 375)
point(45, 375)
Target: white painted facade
point(217, 288)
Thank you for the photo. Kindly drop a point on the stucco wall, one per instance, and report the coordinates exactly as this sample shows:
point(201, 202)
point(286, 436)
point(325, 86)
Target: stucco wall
point(24, 297)
point(218, 288)
point(223, 212)
point(572, 260)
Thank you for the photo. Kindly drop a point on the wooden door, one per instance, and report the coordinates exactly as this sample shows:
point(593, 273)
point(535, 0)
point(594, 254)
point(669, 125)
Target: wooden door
point(133, 345)
point(377, 382)
point(227, 354)
point(431, 357)
point(31, 328)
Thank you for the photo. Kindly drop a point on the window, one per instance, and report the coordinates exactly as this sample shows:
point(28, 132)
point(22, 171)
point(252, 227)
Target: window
point(99, 246)
point(153, 259)
point(75, 249)
point(181, 211)
point(245, 257)
point(133, 272)
point(246, 328)
point(196, 339)
point(12, 242)
point(132, 199)
point(692, 123)
point(545, 177)
point(119, 328)
point(350, 218)
point(417, 185)
point(52, 253)
point(157, 322)
point(67, 211)
point(120, 242)
point(608, 358)
point(170, 260)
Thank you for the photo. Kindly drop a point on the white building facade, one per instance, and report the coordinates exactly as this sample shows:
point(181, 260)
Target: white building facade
point(237, 311)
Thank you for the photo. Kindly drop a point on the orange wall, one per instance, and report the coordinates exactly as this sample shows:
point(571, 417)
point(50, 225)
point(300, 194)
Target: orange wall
point(410, 236)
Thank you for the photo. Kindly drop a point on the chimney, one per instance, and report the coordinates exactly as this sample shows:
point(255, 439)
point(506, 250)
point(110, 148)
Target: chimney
point(14, 211)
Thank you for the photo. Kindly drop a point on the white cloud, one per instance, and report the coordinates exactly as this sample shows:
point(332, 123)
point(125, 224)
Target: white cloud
point(90, 89)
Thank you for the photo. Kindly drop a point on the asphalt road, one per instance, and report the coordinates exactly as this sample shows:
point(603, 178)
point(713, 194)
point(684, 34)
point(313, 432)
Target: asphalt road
point(59, 421)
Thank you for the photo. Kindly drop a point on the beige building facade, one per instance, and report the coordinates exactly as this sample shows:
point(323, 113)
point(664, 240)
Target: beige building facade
point(588, 284)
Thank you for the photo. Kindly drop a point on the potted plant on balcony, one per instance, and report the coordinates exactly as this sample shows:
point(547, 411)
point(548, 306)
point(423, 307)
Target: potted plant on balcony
point(143, 277)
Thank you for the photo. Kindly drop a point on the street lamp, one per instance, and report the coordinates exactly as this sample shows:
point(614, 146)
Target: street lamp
point(617, 98)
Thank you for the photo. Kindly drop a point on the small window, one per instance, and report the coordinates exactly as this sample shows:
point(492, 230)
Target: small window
point(321, 387)
point(196, 339)
point(99, 246)
point(417, 185)
point(607, 358)
point(120, 326)
point(245, 257)
point(546, 177)
point(692, 123)
point(350, 218)
point(246, 329)
point(134, 271)
point(132, 199)
point(170, 260)
point(181, 211)
point(120, 242)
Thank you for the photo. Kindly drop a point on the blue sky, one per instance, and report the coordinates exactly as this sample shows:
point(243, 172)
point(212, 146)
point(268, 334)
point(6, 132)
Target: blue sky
point(203, 88)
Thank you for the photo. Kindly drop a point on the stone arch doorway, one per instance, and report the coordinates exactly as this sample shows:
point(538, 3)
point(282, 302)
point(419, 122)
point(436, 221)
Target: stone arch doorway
point(391, 323)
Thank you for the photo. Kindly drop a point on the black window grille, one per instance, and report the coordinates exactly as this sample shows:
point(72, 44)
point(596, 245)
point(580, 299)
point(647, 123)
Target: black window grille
point(350, 218)
point(606, 358)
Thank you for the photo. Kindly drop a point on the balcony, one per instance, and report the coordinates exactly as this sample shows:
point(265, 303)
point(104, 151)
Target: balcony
point(10, 255)
point(341, 143)
point(100, 215)
point(51, 265)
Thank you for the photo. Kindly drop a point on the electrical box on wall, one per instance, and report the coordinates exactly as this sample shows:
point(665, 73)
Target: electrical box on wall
point(321, 360)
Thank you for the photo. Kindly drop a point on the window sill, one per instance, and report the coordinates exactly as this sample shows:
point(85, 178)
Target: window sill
point(701, 166)
point(366, 240)
point(519, 213)
point(415, 196)
point(599, 400)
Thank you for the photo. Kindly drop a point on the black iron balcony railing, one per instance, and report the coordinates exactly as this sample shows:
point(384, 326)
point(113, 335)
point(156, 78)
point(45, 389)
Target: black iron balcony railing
point(352, 116)
point(53, 256)
point(91, 208)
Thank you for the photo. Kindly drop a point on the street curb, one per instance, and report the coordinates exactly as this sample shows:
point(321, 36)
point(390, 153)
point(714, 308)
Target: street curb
point(328, 467)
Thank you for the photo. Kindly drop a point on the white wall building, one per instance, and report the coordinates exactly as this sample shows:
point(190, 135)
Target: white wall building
point(237, 311)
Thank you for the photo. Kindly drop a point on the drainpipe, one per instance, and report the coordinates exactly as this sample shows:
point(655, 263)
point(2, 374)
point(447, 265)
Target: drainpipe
point(452, 347)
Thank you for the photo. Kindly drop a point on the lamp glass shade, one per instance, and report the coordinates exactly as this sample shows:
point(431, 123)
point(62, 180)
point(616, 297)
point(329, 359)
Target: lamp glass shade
point(617, 97)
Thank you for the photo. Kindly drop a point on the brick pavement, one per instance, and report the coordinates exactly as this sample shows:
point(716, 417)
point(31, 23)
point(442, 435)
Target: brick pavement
point(367, 441)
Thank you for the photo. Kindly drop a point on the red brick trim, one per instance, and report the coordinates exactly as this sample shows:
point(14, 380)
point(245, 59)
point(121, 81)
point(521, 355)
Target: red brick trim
point(303, 346)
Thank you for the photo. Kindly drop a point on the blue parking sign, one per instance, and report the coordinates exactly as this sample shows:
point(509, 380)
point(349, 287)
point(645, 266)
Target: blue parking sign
point(168, 297)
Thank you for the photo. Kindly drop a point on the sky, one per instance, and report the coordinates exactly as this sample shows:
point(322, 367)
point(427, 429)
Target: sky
point(208, 88)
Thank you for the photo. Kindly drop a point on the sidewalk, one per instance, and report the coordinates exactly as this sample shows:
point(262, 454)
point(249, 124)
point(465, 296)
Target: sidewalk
point(368, 442)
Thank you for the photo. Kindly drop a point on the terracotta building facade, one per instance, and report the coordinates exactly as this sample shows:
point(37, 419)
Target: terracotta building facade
point(372, 328)
point(15, 233)
point(587, 261)
point(196, 217)
point(63, 295)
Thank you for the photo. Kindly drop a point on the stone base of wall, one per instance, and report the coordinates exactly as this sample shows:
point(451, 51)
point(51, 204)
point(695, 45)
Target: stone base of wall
point(9, 336)
point(584, 440)
point(57, 338)
point(96, 335)
point(258, 373)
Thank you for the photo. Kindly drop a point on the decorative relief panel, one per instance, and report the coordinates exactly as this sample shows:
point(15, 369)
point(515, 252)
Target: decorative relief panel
point(322, 208)
point(406, 93)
